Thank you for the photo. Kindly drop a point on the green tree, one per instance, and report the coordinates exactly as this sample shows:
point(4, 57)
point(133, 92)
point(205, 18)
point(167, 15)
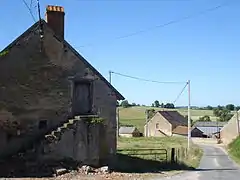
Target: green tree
point(152, 105)
point(156, 103)
point(237, 108)
point(125, 104)
point(209, 107)
point(230, 107)
point(169, 106)
point(162, 105)
point(134, 104)
point(204, 118)
point(150, 112)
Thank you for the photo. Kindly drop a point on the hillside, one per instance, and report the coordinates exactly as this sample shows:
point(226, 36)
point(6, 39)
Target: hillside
point(136, 115)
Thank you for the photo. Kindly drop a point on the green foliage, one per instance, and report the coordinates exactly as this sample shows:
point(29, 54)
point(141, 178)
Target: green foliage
point(209, 107)
point(156, 103)
point(237, 108)
point(151, 113)
point(96, 120)
point(192, 122)
point(125, 104)
point(230, 107)
point(204, 118)
point(234, 149)
point(3, 53)
point(134, 104)
point(222, 113)
point(169, 106)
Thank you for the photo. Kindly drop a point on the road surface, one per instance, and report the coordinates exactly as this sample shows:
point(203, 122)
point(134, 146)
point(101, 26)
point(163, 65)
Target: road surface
point(215, 165)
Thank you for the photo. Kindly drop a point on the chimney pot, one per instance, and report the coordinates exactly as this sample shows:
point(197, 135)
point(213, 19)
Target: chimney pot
point(55, 19)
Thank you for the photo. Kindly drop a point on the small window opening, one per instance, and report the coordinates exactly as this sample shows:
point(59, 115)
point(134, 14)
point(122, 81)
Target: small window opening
point(157, 126)
point(42, 124)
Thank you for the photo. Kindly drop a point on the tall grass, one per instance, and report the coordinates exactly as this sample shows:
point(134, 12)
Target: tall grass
point(234, 149)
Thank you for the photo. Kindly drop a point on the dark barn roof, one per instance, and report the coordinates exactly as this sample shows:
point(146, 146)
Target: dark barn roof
point(174, 117)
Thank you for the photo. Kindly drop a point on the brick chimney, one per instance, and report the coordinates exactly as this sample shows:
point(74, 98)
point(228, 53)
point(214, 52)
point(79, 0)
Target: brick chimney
point(55, 19)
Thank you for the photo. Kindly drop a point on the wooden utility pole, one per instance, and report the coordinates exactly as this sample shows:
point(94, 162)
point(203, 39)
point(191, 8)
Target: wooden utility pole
point(238, 123)
point(189, 116)
point(147, 116)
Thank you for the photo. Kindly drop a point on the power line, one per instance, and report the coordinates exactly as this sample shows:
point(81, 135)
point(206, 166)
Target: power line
point(178, 96)
point(147, 80)
point(29, 9)
point(226, 3)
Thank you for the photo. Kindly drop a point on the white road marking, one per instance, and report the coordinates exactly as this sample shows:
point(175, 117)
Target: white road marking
point(216, 162)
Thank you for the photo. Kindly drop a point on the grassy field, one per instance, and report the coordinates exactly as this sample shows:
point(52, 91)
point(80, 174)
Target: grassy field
point(136, 115)
point(191, 161)
point(234, 150)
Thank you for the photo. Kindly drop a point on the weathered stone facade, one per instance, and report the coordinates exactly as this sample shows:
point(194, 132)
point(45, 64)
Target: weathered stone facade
point(36, 85)
point(231, 130)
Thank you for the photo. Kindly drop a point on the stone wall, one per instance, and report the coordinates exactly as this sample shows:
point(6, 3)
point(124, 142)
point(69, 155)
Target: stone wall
point(164, 126)
point(80, 143)
point(35, 86)
point(230, 131)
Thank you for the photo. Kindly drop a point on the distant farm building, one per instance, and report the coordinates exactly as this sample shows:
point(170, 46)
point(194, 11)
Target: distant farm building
point(231, 130)
point(166, 123)
point(197, 132)
point(209, 128)
point(125, 131)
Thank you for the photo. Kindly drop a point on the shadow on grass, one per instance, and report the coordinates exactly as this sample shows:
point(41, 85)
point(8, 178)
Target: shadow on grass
point(129, 164)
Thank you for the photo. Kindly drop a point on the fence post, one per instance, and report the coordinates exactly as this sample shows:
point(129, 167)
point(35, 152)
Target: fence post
point(173, 155)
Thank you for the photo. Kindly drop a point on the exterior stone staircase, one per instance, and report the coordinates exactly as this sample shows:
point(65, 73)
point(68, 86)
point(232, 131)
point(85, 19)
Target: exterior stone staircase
point(56, 134)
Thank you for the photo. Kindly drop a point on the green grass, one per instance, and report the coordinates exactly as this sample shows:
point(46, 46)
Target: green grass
point(234, 150)
point(167, 143)
point(136, 115)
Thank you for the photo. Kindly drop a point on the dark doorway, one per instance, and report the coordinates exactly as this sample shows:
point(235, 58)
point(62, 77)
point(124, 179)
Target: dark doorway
point(82, 98)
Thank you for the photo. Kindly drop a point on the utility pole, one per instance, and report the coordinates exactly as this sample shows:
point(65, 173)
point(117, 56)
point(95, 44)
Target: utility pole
point(238, 123)
point(110, 77)
point(147, 116)
point(189, 115)
point(117, 111)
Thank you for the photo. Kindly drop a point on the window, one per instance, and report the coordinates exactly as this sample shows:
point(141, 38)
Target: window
point(42, 124)
point(157, 126)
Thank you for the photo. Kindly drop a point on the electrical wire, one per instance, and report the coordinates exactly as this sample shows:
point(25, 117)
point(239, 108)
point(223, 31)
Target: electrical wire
point(147, 80)
point(29, 9)
point(153, 81)
point(178, 96)
point(226, 3)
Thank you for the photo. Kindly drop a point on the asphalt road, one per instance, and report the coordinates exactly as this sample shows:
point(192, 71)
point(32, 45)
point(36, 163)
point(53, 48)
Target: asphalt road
point(215, 165)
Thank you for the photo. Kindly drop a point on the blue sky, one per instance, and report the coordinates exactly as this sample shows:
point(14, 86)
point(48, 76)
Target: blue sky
point(204, 49)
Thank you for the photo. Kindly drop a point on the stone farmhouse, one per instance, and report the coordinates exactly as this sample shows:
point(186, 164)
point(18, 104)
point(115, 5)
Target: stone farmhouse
point(52, 100)
point(166, 123)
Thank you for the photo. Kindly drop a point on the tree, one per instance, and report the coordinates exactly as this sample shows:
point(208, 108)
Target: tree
point(230, 107)
point(152, 104)
point(209, 107)
point(237, 108)
point(134, 104)
point(191, 121)
point(169, 106)
point(150, 112)
point(125, 104)
point(156, 103)
point(162, 105)
point(223, 114)
point(204, 118)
